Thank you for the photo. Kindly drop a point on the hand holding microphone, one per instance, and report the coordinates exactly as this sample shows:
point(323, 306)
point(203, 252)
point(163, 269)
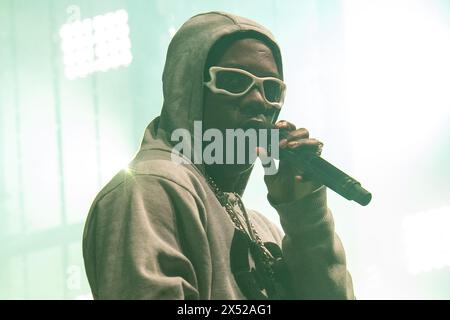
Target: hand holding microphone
point(302, 170)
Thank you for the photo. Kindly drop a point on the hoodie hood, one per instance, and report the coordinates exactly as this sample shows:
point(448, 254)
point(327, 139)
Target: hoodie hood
point(183, 77)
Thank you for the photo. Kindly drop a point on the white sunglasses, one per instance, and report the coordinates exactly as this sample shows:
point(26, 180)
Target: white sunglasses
point(237, 82)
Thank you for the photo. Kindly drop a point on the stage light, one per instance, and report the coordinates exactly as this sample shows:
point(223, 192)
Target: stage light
point(427, 240)
point(96, 44)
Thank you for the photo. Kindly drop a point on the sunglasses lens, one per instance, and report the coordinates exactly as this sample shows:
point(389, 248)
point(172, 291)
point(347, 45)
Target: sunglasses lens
point(234, 82)
point(273, 90)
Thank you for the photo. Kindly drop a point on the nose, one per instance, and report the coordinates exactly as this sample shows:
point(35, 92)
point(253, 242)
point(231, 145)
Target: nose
point(253, 103)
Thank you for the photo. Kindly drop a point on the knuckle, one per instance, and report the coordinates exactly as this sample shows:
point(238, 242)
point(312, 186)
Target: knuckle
point(285, 124)
point(298, 134)
point(304, 131)
point(281, 124)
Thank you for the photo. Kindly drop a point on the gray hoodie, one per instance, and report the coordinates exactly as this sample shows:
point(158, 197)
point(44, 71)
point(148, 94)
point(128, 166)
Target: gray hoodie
point(158, 231)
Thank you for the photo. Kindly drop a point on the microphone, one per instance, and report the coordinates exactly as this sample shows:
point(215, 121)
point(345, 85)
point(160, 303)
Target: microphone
point(324, 172)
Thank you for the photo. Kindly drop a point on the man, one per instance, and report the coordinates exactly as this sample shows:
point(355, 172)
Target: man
point(165, 230)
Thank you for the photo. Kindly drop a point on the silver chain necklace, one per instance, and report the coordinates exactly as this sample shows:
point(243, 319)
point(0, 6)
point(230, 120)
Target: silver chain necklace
point(250, 231)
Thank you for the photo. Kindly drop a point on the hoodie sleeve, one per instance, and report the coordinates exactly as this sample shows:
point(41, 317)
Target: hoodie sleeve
point(312, 250)
point(131, 243)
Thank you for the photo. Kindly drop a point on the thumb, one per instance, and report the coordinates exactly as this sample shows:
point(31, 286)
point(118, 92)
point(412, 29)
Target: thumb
point(268, 163)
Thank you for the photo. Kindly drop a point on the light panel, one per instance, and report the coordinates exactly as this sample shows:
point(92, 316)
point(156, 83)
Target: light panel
point(96, 44)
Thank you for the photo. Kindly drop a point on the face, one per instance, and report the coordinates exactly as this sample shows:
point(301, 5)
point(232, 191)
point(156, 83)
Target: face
point(225, 112)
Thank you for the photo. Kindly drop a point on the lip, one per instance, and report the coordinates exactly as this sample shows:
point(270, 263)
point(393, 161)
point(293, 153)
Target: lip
point(254, 122)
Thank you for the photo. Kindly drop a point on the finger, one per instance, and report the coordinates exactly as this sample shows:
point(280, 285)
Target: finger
point(307, 145)
point(286, 125)
point(297, 134)
point(267, 162)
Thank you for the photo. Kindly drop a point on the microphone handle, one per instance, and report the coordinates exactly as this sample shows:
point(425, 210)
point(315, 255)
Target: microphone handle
point(324, 172)
point(327, 174)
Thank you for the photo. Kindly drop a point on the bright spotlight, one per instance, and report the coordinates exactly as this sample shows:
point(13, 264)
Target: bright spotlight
point(96, 44)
